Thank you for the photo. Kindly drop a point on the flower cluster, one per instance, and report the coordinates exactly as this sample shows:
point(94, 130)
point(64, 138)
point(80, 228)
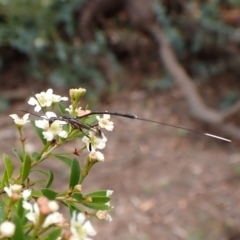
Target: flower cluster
point(53, 126)
point(40, 208)
point(45, 99)
point(44, 213)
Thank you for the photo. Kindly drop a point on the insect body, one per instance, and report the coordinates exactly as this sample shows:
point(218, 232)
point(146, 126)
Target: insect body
point(78, 123)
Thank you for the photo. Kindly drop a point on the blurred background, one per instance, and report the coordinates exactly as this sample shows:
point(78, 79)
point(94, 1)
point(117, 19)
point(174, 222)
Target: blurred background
point(173, 61)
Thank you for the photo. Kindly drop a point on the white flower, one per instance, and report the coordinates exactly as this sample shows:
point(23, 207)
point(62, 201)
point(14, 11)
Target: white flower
point(79, 228)
point(94, 141)
point(26, 194)
point(13, 188)
point(45, 99)
point(33, 213)
point(20, 121)
point(96, 155)
point(103, 215)
point(53, 129)
point(7, 229)
point(104, 122)
point(42, 99)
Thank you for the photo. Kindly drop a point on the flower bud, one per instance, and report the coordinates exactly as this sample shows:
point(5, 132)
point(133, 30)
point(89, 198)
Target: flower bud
point(103, 215)
point(53, 206)
point(76, 94)
point(16, 188)
point(78, 188)
point(7, 229)
point(96, 156)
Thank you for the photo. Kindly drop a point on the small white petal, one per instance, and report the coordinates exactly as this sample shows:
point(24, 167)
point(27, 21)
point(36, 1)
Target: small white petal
point(14, 116)
point(63, 134)
point(80, 217)
point(43, 124)
point(32, 101)
point(89, 228)
point(64, 98)
point(49, 92)
point(52, 218)
point(37, 108)
point(36, 208)
point(26, 194)
point(106, 116)
point(48, 136)
point(32, 217)
point(50, 115)
point(26, 116)
point(8, 191)
point(27, 206)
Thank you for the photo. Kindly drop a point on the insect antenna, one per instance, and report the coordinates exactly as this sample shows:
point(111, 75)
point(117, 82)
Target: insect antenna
point(34, 114)
point(132, 116)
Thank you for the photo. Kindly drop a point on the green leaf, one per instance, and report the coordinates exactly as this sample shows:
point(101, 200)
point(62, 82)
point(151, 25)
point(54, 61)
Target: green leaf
point(26, 167)
point(48, 174)
point(89, 120)
point(2, 211)
point(40, 171)
point(54, 234)
point(50, 179)
point(39, 132)
point(36, 156)
point(65, 160)
point(17, 154)
point(78, 197)
point(20, 209)
point(48, 193)
point(97, 206)
point(72, 207)
point(36, 193)
point(97, 193)
point(18, 235)
point(61, 108)
point(100, 200)
point(75, 173)
point(4, 181)
point(8, 165)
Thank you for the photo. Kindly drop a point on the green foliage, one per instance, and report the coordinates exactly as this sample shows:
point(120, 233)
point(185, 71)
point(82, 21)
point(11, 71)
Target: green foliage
point(29, 203)
point(46, 32)
point(26, 167)
point(200, 35)
point(48, 193)
point(75, 173)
